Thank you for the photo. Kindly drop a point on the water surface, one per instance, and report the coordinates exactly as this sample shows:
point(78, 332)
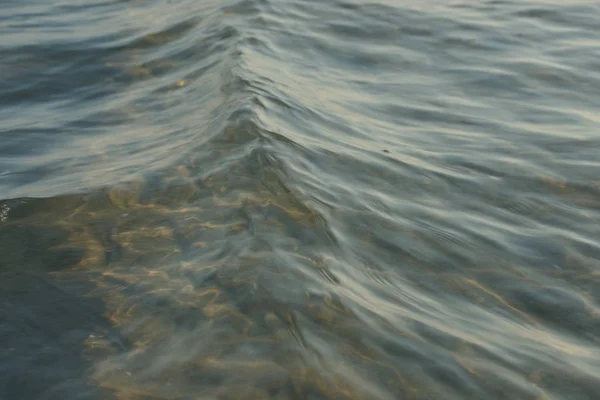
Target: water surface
point(299, 199)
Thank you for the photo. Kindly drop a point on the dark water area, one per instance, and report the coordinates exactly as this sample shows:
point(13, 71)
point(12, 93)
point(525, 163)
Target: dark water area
point(299, 199)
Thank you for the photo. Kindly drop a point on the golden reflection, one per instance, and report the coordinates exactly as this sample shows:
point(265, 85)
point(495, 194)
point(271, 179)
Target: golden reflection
point(194, 320)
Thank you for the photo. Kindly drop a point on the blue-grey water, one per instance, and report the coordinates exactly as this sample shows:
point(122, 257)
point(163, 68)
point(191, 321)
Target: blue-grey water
point(299, 199)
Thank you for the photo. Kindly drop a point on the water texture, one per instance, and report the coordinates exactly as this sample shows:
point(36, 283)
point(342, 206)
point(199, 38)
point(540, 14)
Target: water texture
point(299, 199)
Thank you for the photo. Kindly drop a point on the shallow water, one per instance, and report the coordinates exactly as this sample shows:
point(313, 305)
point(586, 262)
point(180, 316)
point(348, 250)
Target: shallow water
point(299, 199)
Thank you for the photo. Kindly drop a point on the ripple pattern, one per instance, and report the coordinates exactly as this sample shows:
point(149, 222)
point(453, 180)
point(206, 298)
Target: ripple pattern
point(301, 199)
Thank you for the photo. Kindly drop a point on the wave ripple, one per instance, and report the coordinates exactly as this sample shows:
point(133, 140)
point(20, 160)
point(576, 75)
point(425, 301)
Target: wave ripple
point(300, 199)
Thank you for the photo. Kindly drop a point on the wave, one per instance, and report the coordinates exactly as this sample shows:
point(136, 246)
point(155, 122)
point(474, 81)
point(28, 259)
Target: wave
point(302, 199)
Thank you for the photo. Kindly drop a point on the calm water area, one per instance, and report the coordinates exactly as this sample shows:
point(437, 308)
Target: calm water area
point(299, 200)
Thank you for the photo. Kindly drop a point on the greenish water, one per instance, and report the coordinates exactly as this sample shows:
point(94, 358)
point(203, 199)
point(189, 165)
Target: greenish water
point(299, 199)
